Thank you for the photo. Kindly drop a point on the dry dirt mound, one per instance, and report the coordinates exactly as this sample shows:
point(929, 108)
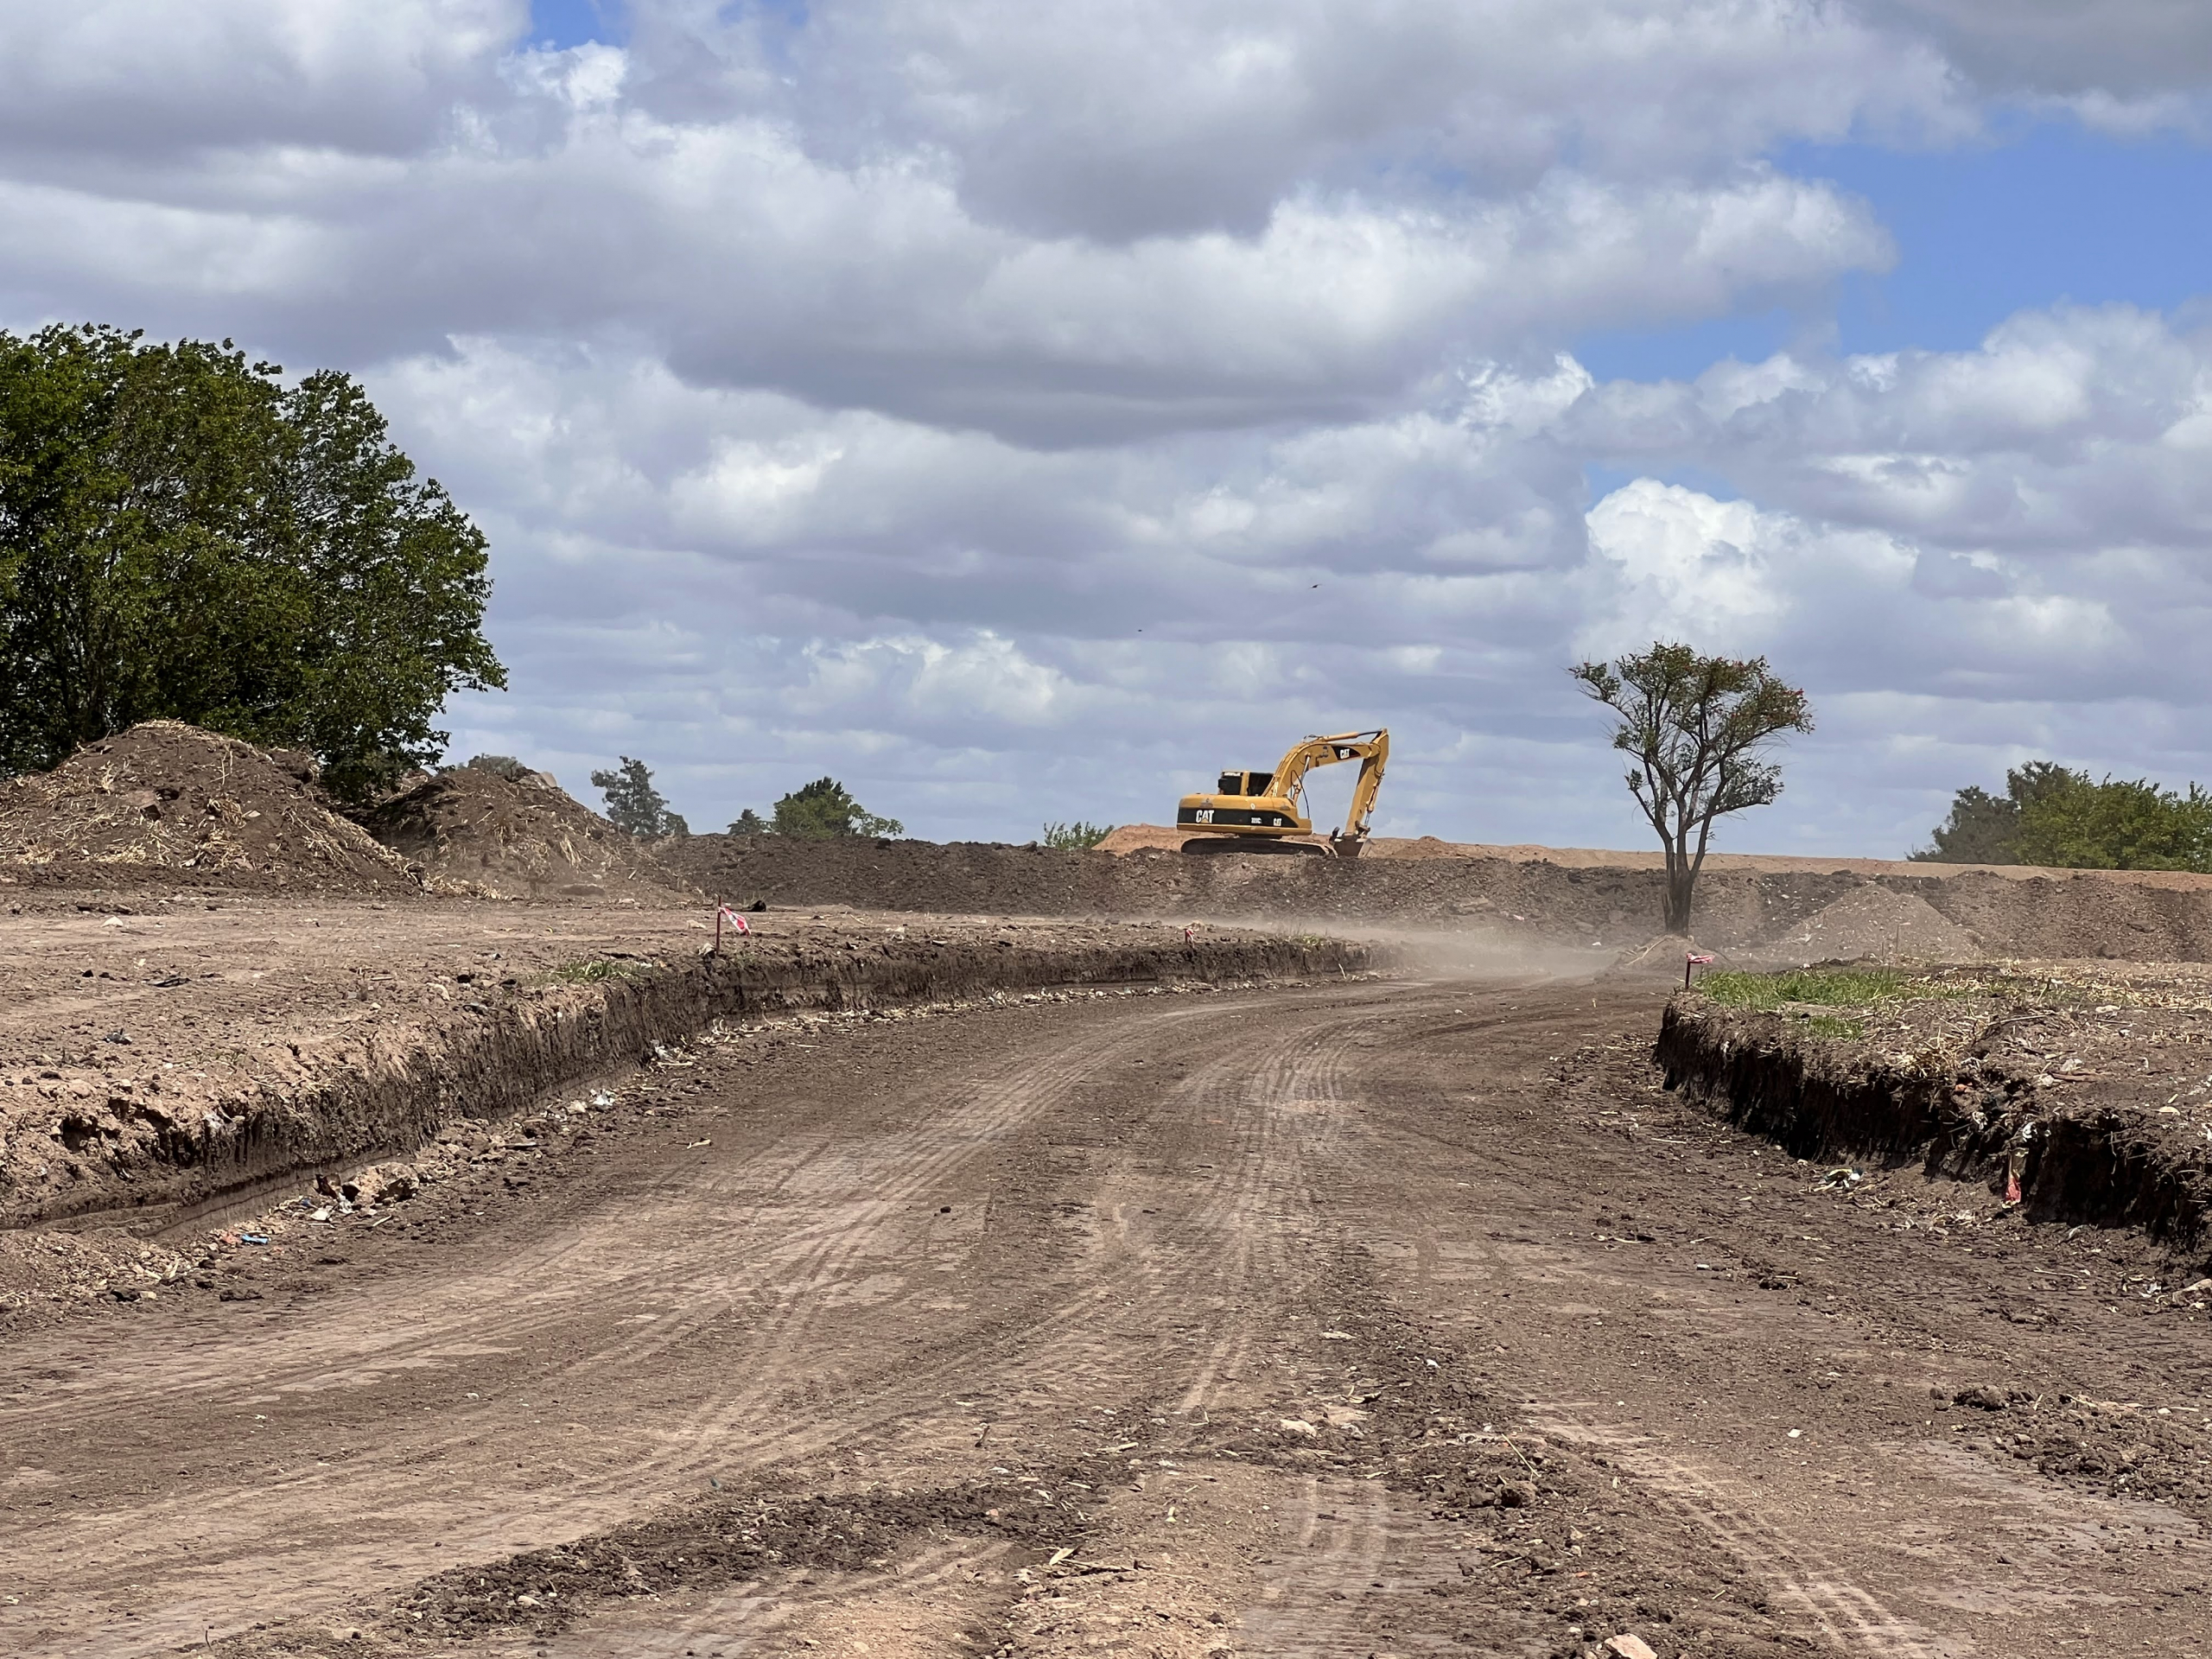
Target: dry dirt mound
point(520, 838)
point(168, 798)
point(1876, 923)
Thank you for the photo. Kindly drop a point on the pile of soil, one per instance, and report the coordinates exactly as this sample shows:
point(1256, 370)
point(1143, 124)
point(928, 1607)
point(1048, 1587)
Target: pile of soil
point(165, 800)
point(521, 838)
point(1876, 924)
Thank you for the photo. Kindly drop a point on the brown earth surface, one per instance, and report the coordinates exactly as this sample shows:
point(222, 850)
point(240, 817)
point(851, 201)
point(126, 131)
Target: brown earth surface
point(166, 801)
point(1362, 1318)
point(1160, 837)
point(161, 1058)
point(2083, 1092)
point(1798, 912)
point(519, 838)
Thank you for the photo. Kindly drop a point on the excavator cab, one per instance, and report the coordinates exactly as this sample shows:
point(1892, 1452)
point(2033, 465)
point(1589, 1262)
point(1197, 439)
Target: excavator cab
point(1264, 811)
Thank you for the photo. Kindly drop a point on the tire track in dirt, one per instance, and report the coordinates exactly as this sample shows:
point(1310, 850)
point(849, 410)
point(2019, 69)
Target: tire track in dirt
point(1146, 1313)
point(959, 1121)
point(1805, 1578)
point(1500, 1208)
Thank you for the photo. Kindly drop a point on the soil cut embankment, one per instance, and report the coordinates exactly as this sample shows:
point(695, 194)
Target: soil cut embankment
point(154, 1065)
point(2083, 1095)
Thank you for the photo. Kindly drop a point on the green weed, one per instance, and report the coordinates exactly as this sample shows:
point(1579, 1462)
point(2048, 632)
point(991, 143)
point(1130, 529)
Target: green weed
point(1834, 1024)
point(593, 970)
point(1831, 987)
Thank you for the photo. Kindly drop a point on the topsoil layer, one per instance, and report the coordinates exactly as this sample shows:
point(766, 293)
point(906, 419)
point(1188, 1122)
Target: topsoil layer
point(1803, 914)
point(522, 838)
point(165, 801)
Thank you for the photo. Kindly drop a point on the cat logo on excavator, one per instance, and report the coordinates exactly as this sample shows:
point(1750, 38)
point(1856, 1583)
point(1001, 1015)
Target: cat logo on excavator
point(1260, 812)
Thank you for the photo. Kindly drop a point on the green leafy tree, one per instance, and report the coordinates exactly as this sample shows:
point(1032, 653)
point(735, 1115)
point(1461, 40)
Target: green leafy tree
point(1985, 829)
point(749, 822)
point(1077, 836)
point(183, 536)
point(2119, 825)
point(2051, 816)
point(822, 809)
point(1699, 730)
point(633, 805)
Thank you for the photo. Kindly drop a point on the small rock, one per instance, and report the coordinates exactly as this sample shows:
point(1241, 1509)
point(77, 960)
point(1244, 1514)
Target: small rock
point(1629, 1646)
point(1982, 1398)
point(1298, 1425)
point(1515, 1495)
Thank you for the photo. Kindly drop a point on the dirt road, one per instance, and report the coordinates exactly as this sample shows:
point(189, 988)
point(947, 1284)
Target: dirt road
point(1389, 1319)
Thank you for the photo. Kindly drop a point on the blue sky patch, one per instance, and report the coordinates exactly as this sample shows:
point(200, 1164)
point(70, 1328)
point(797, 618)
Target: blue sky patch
point(561, 23)
point(2051, 213)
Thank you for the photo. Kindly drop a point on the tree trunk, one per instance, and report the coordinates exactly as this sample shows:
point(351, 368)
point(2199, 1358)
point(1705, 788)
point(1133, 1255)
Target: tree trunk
point(1682, 880)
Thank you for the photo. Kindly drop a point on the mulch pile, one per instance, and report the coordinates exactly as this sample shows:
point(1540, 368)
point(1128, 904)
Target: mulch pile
point(165, 800)
point(520, 838)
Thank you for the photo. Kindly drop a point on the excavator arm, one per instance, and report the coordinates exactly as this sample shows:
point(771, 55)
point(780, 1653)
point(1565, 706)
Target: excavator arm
point(1370, 749)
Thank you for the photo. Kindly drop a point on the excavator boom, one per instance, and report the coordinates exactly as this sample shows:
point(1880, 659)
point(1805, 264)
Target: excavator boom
point(1259, 808)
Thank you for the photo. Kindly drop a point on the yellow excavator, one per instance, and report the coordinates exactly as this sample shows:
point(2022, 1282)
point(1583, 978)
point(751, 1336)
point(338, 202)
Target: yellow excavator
point(1260, 811)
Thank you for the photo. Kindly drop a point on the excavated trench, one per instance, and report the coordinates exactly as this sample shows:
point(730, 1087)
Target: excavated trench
point(1980, 1116)
point(138, 1164)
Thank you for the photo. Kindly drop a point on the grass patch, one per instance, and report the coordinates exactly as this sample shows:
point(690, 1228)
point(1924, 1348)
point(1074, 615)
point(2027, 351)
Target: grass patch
point(1833, 987)
point(1834, 1024)
point(1828, 988)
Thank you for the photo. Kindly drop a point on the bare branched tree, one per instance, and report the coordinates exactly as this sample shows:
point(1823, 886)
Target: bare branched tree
point(1699, 729)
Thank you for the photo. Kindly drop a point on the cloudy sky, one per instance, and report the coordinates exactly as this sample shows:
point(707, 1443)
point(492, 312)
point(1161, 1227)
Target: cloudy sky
point(1022, 409)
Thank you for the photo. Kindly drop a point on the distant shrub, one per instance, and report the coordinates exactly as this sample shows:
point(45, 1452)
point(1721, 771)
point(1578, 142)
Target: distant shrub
point(591, 972)
point(1076, 836)
point(633, 805)
point(2050, 815)
point(823, 811)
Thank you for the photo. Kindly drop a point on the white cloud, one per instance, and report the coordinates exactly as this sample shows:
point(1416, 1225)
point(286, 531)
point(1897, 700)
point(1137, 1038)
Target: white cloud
point(143, 79)
point(2116, 52)
point(1025, 409)
point(1122, 122)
